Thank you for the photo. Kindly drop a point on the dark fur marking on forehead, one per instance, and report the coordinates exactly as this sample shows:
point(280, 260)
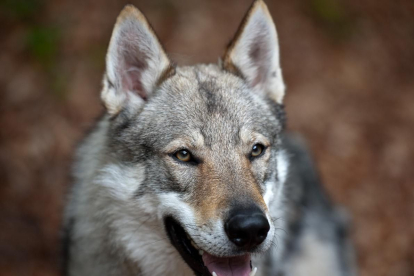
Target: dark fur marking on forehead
point(210, 92)
point(215, 104)
point(212, 100)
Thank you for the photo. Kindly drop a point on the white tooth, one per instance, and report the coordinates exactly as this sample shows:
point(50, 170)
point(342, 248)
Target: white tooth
point(214, 274)
point(201, 252)
point(253, 272)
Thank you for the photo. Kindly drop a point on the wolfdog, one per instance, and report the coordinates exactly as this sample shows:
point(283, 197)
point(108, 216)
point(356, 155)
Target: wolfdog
point(189, 171)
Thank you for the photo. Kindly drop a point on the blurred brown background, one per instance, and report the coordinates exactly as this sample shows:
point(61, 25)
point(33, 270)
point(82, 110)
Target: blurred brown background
point(348, 65)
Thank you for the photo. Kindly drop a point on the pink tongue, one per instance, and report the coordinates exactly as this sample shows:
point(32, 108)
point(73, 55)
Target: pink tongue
point(234, 266)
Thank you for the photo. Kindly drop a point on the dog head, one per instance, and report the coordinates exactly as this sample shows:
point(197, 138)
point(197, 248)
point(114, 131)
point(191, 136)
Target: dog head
point(206, 139)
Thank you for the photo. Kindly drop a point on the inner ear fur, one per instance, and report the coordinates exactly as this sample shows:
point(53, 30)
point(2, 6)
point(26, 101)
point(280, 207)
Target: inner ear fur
point(135, 63)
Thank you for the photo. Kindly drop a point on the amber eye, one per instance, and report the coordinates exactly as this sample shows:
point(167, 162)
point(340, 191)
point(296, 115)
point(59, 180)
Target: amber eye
point(183, 155)
point(257, 150)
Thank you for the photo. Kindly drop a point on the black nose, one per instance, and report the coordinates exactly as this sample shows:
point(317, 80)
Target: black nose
point(247, 228)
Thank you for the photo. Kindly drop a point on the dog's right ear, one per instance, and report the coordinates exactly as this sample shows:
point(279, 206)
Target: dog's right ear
point(135, 62)
point(254, 53)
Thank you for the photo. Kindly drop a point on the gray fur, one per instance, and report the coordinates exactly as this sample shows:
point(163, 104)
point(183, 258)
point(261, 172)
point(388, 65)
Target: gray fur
point(127, 180)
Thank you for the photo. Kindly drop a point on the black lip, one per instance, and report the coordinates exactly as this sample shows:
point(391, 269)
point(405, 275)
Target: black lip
point(178, 238)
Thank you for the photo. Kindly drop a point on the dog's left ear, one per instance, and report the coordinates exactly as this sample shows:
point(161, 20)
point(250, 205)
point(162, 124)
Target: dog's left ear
point(254, 53)
point(135, 62)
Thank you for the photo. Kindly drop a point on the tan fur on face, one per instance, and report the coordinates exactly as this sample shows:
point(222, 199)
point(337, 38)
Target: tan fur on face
point(225, 175)
point(218, 187)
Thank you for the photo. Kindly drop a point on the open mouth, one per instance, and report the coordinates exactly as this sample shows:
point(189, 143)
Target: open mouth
point(203, 263)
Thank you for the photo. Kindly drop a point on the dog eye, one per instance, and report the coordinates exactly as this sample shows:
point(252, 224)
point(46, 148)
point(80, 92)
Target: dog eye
point(257, 150)
point(183, 155)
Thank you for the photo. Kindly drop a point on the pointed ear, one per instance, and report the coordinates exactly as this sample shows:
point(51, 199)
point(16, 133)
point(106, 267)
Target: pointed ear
point(254, 53)
point(135, 62)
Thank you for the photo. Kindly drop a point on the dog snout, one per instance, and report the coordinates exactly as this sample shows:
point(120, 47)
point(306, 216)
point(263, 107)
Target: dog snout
point(247, 228)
